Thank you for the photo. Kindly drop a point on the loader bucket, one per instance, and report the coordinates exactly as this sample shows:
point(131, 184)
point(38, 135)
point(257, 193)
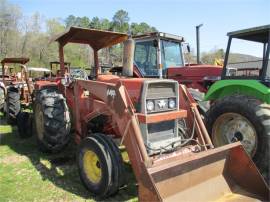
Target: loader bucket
point(222, 174)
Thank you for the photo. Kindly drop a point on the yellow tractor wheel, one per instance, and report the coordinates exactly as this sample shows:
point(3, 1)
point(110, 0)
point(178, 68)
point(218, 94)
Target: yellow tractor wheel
point(100, 165)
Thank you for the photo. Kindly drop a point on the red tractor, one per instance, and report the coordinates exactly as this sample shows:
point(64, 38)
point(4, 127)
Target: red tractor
point(165, 51)
point(55, 68)
point(15, 87)
point(155, 119)
point(16, 91)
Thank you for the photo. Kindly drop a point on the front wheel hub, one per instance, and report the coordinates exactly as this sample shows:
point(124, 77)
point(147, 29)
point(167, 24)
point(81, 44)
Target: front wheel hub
point(92, 166)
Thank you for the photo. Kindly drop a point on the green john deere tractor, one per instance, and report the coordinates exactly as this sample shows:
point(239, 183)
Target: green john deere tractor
point(240, 109)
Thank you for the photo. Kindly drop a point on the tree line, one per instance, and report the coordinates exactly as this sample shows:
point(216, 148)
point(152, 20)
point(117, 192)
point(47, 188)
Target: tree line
point(30, 36)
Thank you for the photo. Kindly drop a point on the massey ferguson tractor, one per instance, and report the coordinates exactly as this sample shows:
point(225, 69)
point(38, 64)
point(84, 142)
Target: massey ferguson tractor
point(156, 120)
point(240, 109)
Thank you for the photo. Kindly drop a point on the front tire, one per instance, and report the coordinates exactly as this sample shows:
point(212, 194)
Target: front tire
point(245, 119)
point(52, 120)
point(100, 165)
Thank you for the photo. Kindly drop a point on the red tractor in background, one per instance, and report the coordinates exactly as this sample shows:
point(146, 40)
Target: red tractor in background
point(15, 87)
point(165, 51)
point(16, 91)
point(156, 120)
point(55, 68)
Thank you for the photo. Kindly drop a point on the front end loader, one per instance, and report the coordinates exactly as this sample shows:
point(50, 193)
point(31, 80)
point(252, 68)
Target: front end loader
point(156, 120)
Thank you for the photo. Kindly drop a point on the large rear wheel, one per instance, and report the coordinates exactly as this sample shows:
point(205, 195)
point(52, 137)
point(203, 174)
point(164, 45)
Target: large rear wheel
point(52, 120)
point(100, 165)
point(245, 119)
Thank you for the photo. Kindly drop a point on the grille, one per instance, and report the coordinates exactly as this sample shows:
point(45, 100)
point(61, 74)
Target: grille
point(158, 135)
point(158, 90)
point(161, 90)
point(161, 131)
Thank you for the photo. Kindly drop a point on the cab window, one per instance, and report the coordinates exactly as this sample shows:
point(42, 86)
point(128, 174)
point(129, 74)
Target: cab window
point(171, 54)
point(146, 58)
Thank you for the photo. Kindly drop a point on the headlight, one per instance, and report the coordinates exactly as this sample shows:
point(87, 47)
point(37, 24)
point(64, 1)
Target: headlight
point(172, 103)
point(150, 105)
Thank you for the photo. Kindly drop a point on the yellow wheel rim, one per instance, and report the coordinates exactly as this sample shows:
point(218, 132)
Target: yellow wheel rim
point(92, 166)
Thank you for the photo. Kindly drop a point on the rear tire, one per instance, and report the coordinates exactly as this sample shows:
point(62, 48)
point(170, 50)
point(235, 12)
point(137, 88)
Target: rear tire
point(51, 120)
point(100, 165)
point(2, 98)
point(13, 105)
point(246, 118)
point(24, 124)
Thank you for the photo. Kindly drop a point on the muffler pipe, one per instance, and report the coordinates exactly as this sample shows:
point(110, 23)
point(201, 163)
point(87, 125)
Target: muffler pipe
point(129, 46)
point(198, 43)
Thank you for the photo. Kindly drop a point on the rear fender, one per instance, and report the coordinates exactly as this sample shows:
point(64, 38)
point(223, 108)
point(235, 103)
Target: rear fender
point(251, 88)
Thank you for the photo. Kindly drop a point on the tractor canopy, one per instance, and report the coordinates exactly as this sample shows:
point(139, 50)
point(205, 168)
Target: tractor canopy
point(246, 72)
point(15, 60)
point(256, 34)
point(12, 61)
point(253, 62)
point(96, 39)
point(8, 73)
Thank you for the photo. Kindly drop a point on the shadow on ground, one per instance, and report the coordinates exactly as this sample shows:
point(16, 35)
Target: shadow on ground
point(61, 169)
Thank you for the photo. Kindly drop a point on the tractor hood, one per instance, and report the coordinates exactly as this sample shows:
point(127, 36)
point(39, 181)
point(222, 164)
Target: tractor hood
point(133, 85)
point(195, 70)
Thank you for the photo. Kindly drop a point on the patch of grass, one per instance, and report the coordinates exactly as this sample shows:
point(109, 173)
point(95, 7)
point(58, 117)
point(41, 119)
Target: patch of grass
point(26, 174)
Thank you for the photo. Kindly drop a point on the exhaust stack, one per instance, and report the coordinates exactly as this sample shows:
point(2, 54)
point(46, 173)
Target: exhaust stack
point(198, 42)
point(129, 46)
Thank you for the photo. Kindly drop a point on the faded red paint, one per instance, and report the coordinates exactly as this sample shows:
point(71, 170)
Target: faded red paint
point(194, 76)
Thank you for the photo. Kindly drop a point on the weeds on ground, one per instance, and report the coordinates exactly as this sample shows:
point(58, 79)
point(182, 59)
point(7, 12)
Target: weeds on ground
point(26, 174)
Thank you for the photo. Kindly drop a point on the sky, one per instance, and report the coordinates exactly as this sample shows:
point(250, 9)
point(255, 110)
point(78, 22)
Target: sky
point(172, 16)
